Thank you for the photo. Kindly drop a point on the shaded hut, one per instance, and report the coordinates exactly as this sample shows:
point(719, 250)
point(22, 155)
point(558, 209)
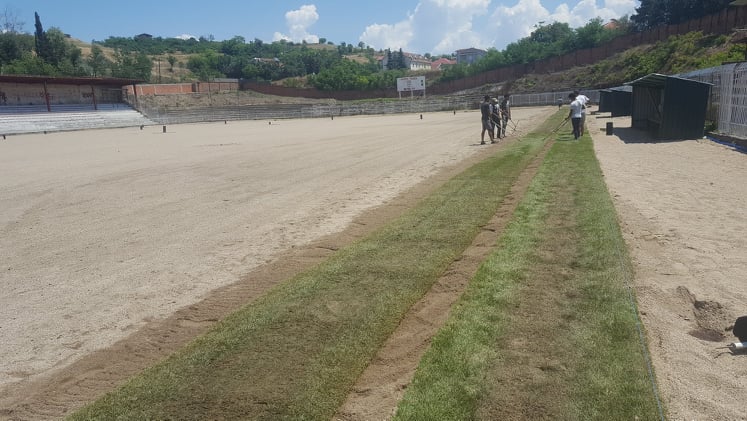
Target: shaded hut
point(617, 101)
point(669, 106)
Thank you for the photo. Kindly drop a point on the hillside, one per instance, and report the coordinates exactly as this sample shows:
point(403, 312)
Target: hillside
point(678, 54)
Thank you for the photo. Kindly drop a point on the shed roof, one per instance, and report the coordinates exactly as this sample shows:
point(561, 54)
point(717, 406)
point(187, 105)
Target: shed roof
point(657, 80)
point(627, 88)
point(69, 80)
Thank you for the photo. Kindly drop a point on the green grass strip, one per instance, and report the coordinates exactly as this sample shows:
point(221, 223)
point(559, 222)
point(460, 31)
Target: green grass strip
point(546, 329)
point(296, 352)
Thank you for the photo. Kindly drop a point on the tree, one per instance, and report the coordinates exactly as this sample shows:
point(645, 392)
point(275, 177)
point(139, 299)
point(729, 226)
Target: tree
point(205, 65)
point(172, 61)
point(132, 65)
point(57, 48)
point(13, 46)
point(40, 37)
point(591, 34)
point(652, 13)
point(97, 61)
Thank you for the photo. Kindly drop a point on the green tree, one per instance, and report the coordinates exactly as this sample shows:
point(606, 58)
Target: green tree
point(343, 75)
point(40, 38)
point(205, 65)
point(591, 34)
point(58, 49)
point(14, 45)
point(97, 61)
point(132, 65)
point(30, 64)
point(172, 61)
point(652, 13)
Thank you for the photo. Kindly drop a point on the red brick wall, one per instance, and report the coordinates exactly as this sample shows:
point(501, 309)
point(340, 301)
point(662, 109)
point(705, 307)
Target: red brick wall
point(183, 88)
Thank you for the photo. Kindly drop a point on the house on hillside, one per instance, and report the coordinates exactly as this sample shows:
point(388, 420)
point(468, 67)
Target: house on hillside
point(469, 55)
point(441, 63)
point(412, 61)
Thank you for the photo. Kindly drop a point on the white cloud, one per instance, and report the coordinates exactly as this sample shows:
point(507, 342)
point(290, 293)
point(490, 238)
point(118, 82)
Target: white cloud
point(443, 26)
point(382, 36)
point(185, 36)
point(298, 22)
point(519, 20)
point(436, 26)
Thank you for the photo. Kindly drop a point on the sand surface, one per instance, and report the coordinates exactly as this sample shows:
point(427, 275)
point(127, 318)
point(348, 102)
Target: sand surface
point(682, 209)
point(103, 233)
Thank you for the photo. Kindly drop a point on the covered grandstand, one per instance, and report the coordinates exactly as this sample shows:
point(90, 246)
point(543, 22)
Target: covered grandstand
point(31, 104)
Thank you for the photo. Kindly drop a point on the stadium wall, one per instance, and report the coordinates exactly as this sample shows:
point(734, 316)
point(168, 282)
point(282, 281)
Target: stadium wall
point(17, 94)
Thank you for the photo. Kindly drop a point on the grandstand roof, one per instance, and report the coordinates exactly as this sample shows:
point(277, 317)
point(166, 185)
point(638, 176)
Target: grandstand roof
point(69, 80)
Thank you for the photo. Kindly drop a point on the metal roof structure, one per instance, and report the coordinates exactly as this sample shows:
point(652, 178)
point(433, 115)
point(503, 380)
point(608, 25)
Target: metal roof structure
point(657, 80)
point(617, 100)
point(673, 107)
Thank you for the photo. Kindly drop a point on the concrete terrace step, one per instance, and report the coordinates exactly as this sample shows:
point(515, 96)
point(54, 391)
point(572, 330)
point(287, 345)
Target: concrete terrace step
point(35, 119)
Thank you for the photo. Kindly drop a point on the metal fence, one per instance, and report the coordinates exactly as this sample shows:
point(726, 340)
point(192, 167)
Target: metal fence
point(727, 105)
point(466, 101)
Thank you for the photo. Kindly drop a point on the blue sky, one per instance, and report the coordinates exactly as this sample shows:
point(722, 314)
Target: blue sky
point(418, 26)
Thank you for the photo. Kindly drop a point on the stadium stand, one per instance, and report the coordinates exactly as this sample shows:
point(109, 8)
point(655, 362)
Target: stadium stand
point(37, 119)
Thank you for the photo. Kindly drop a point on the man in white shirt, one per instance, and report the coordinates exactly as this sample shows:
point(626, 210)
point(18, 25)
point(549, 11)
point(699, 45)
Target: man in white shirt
point(584, 104)
point(575, 114)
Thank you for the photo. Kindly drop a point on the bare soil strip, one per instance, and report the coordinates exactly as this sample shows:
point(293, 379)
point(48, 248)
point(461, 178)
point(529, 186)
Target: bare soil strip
point(381, 386)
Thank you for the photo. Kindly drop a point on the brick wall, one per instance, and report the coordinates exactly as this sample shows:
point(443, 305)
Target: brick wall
point(182, 88)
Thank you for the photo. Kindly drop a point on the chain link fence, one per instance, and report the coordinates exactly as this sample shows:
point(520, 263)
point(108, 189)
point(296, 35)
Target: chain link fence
point(457, 102)
point(727, 105)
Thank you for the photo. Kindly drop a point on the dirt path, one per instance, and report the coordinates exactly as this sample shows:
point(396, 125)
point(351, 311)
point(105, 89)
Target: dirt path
point(119, 246)
point(682, 209)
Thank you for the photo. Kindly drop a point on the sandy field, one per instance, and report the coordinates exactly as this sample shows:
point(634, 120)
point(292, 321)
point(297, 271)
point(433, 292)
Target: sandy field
point(104, 234)
point(119, 245)
point(682, 210)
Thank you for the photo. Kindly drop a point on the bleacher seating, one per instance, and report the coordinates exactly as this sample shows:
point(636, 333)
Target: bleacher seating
point(37, 119)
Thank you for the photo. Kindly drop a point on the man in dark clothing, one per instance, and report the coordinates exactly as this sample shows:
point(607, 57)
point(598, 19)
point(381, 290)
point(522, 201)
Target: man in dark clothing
point(505, 113)
point(485, 111)
point(495, 118)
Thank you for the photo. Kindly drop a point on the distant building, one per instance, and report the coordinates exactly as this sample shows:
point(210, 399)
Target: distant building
point(144, 36)
point(412, 61)
point(441, 63)
point(469, 55)
point(612, 25)
point(417, 62)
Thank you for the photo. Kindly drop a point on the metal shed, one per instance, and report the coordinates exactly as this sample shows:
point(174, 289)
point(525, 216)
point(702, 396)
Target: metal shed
point(617, 101)
point(672, 107)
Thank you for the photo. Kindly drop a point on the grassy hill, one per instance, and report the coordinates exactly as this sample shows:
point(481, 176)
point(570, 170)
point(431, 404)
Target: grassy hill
point(678, 54)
